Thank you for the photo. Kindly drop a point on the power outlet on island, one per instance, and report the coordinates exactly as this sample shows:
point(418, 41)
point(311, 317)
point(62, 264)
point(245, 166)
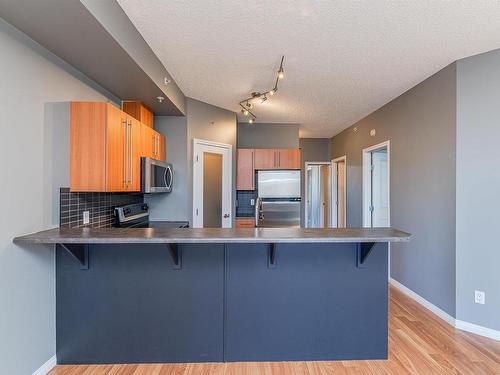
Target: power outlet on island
point(86, 217)
point(479, 297)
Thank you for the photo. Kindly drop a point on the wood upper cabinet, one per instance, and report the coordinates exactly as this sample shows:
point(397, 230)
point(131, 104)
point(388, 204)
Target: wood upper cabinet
point(162, 147)
point(277, 158)
point(105, 147)
point(153, 143)
point(116, 150)
point(139, 111)
point(245, 173)
point(265, 158)
point(134, 178)
point(289, 158)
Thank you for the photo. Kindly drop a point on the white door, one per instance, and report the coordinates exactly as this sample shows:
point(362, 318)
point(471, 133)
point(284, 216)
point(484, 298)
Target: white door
point(339, 193)
point(376, 188)
point(380, 193)
point(212, 184)
point(318, 194)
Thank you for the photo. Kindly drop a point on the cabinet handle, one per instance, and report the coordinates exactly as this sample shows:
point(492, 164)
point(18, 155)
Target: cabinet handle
point(131, 151)
point(125, 164)
point(253, 170)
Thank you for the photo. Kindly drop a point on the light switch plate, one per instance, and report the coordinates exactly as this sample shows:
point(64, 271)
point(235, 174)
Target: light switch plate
point(252, 202)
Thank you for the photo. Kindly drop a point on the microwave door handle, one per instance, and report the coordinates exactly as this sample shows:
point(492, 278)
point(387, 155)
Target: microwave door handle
point(168, 178)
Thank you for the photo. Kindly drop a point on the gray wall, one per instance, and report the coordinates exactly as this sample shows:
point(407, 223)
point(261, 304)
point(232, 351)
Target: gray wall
point(268, 135)
point(421, 127)
point(172, 206)
point(209, 123)
point(36, 87)
point(203, 121)
point(312, 149)
point(478, 186)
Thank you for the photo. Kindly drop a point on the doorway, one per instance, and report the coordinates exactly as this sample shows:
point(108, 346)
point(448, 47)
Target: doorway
point(212, 184)
point(318, 194)
point(339, 193)
point(376, 185)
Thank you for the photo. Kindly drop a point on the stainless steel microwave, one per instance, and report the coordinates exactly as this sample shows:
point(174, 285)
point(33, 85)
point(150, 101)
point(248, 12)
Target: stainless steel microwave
point(156, 176)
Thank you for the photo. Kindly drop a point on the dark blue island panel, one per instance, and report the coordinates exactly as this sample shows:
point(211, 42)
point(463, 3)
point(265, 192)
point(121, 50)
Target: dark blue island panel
point(315, 304)
point(132, 306)
point(225, 303)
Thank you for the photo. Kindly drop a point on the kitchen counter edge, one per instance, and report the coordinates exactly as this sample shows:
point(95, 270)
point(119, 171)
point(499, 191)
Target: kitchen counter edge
point(212, 235)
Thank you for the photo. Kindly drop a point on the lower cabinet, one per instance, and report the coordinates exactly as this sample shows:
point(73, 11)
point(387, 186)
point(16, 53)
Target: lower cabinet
point(245, 222)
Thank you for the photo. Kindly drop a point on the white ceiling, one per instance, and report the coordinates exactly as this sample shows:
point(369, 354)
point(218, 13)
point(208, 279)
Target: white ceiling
point(343, 59)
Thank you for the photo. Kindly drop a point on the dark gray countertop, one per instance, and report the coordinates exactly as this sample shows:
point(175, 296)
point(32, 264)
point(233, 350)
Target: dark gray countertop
point(212, 235)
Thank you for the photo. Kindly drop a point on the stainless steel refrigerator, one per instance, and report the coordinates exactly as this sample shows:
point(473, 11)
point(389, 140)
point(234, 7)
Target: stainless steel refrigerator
point(278, 202)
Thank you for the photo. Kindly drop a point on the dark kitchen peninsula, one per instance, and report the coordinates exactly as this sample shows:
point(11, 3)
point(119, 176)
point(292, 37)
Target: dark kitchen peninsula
point(140, 295)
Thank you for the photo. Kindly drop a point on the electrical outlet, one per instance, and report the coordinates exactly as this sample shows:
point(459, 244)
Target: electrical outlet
point(479, 297)
point(86, 217)
point(252, 202)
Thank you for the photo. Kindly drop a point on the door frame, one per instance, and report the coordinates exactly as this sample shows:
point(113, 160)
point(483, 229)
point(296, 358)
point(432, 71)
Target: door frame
point(306, 190)
point(226, 150)
point(334, 183)
point(367, 183)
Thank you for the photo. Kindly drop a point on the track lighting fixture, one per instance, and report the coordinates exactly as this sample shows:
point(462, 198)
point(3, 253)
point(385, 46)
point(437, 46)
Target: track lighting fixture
point(263, 95)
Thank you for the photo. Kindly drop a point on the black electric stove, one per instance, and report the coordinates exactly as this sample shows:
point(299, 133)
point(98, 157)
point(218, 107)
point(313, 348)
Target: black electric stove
point(137, 216)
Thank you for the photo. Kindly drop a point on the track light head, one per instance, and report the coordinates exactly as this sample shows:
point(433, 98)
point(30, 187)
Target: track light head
point(250, 121)
point(263, 99)
point(245, 112)
point(281, 73)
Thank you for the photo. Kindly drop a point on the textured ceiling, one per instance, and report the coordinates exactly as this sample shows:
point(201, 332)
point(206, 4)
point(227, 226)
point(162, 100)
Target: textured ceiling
point(343, 59)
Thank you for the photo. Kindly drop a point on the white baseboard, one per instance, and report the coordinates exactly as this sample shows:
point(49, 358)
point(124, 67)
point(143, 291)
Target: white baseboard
point(429, 306)
point(460, 324)
point(46, 367)
point(477, 329)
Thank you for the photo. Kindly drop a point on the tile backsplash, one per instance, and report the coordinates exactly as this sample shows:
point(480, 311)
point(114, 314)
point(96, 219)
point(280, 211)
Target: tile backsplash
point(244, 207)
point(100, 206)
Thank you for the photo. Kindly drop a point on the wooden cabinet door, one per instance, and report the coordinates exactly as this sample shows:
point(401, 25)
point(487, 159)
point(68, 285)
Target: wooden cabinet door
point(245, 172)
point(87, 146)
point(265, 158)
point(162, 147)
point(289, 158)
point(146, 116)
point(135, 146)
point(147, 141)
point(138, 111)
point(245, 222)
point(117, 151)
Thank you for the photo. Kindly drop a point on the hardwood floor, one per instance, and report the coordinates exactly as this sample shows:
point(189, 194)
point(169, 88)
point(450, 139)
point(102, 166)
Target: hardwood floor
point(419, 343)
